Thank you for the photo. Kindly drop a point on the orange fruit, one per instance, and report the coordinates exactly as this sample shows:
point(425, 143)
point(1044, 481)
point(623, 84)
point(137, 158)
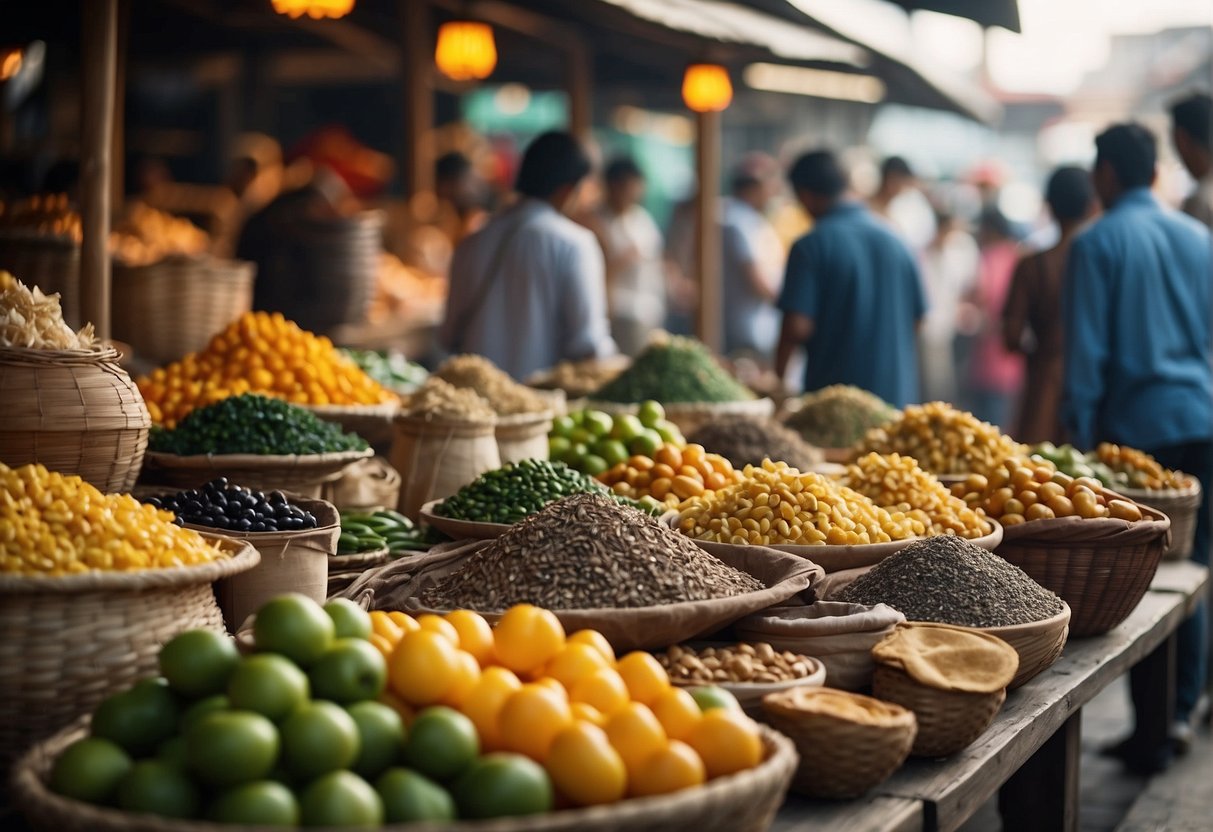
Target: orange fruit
point(596, 640)
point(584, 768)
point(381, 644)
point(554, 686)
point(404, 621)
point(574, 662)
point(604, 689)
point(440, 625)
point(526, 638)
point(678, 713)
point(531, 718)
point(645, 677)
point(635, 733)
point(587, 713)
point(423, 667)
point(727, 741)
point(466, 677)
point(475, 634)
point(383, 625)
point(674, 767)
point(483, 704)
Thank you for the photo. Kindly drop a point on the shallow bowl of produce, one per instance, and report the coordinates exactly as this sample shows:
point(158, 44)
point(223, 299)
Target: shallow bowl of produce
point(743, 802)
point(749, 694)
point(301, 473)
point(460, 529)
point(1038, 643)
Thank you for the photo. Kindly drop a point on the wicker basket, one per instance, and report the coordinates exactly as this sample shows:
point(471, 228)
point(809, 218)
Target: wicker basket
point(523, 436)
point(742, 802)
point(1038, 643)
point(175, 306)
point(1101, 567)
point(1181, 505)
point(750, 695)
point(74, 411)
point(50, 263)
point(373, 422)
point(303, 474)
point(948, 721)
point(841, 758)
point(70, 642)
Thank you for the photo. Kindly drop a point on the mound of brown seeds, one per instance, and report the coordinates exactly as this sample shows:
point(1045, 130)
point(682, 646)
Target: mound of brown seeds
point(949, 580)
point(588, 552)
point(744, 440)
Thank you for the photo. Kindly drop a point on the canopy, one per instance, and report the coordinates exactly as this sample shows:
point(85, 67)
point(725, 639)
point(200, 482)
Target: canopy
point(1004, 13)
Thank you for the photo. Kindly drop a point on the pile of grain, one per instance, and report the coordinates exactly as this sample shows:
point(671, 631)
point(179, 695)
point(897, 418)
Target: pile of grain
point(506, 396)
point(745, 440)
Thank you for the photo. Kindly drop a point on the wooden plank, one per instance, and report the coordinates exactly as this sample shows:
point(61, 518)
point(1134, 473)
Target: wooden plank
point(709, 323)
point(1185, 576)
point(1043, 795)
point(874, 814)
point(417, 169)
point(955, 788)
point(99, 58)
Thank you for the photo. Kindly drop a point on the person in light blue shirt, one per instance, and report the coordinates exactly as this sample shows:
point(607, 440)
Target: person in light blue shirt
point(1137, 307)
point(852, 295)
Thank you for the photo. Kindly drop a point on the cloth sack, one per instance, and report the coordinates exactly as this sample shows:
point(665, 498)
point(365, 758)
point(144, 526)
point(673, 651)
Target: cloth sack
point(365, 484)
point(949, 658)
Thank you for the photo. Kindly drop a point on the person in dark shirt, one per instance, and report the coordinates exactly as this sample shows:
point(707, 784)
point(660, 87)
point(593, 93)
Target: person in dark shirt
point(852, 295)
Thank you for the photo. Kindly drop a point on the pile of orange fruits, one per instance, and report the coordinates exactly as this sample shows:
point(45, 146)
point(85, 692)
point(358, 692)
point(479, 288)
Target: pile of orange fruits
point(671, 475)
point(603, 728)
point(262, 353)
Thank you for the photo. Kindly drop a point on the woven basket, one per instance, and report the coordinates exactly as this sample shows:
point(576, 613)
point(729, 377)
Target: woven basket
point(948, 721)
point(460, 529)
point(74, 411)
point(303, 474)
point(841, 758)
point(1038, 643)
point(1101, 567)
point(69, 642)
point(750, 695)
point(50, 263)
point(373, 422)
point(175, 306)
point(1181, 505)
point(742, 802)
point(523, 436)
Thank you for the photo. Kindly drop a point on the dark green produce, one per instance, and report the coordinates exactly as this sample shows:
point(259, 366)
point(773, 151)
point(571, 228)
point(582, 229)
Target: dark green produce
point(517, 489)
point(253, 424)
point(676, 370)
point(383, 529)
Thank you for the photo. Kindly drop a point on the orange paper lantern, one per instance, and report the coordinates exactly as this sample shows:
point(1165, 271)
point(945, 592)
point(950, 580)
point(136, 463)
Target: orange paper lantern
point(706, 88)
point(315, 9)
point(466, 50)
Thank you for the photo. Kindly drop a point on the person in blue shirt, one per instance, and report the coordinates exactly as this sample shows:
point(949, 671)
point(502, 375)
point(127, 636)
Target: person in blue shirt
point(1137, 304)
point(852, 295)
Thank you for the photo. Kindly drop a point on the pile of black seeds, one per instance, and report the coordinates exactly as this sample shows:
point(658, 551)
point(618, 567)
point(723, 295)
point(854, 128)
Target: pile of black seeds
point(949, 580)
point(744, 440)
point(588, 552)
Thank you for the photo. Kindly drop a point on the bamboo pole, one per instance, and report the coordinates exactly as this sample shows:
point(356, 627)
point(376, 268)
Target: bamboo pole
point(709, 320)
point(418, 57)
point(579, 86)
point(99, 58)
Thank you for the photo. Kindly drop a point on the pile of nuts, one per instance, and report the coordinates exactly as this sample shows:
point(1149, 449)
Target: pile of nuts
point(897, 484)
point(943, 439)
point(755, 663)
point(1020, 491)
point(437, 399)
point(671, 475)
point(1143, 470)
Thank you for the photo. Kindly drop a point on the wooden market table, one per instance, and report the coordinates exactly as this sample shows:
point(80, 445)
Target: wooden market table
point(1030, 755)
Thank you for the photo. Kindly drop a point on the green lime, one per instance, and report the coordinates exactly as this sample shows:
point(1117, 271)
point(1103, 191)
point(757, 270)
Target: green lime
point(441, 743)
point(499, 784)
point(713, 696)
point(90, 770)
point(138, 719)
point(593, 464)
point(558, 446)
point(651, 413)
point(228, 748)
point(627, 427)
point(295, 626)
point(202, 707)
point(612, 451)
point(562, 426)
point(380, 737)
point(263, 803)
point(157, 788)
point(268, 684)
point(340, 798)
point(408, 796)
point(172, 751)
point(669, 432)
point(647, 443)
point(598, 423)
point(582, 436)
point(349, 619)
point(352, 670)
point(317, 738)
point(575, 454)
point(198, 662)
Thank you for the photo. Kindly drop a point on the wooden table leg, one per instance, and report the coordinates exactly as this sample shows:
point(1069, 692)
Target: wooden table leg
point(1043, 795)
point(1154, 694)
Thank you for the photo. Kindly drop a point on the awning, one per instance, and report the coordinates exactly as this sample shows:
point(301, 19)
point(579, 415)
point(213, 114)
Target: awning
point(1004, 13)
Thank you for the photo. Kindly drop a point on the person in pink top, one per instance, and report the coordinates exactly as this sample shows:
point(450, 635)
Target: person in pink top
point(995, 376)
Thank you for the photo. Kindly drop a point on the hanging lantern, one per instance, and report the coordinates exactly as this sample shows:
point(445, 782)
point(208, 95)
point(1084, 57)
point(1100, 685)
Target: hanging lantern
point(706, 88)
point(315, 9)
point(466, 51)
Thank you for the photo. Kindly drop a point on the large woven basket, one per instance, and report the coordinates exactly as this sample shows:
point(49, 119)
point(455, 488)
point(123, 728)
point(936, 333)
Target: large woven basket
point(948, 720)
point(69, 642)
point(74, 411)
point(50, 263)
point(373, 422)
point(303, 474)
point(1038, 643)
point(1181, 505)
point(1100, 567)
point(742, 802)
point(175, 306)
point(841, 758)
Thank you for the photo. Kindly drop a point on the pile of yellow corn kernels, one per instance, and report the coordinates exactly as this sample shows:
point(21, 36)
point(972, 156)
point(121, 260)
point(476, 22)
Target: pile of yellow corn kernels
point(896, 484)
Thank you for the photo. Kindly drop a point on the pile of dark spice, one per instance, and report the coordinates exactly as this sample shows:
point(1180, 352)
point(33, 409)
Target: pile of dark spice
point(949, 580)
point(744, 440)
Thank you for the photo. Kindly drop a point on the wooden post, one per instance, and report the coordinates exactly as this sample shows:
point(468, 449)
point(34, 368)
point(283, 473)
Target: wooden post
point(417, 168)
point(99, 27)
point(579, 86)
point(118, 161)
point(709, 321)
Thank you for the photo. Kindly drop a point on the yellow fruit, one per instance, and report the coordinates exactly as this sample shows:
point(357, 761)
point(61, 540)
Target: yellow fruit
point(587, 713)
point(635, 733)
point(671, 769)
point(574, 662)
point(440, 625)
point(423, 667)
point(381, 644)
point(677, 712)
point(604, 689)
point(466, 677)
point(483, 704)
point(645, 677)
point(584, 768)
point(475, 634)
point(526, 638)
point(530, 719)
point(596, 640)
point(554, 686)
point(727, 741)
point(382, 625)
point(404, 621)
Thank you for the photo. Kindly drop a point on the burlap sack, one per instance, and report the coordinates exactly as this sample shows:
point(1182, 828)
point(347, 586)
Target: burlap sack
point(367, 483)
point(398, 585)
point(840, 635)
point(949, 658)
point(436, 458)
point(523, 436)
